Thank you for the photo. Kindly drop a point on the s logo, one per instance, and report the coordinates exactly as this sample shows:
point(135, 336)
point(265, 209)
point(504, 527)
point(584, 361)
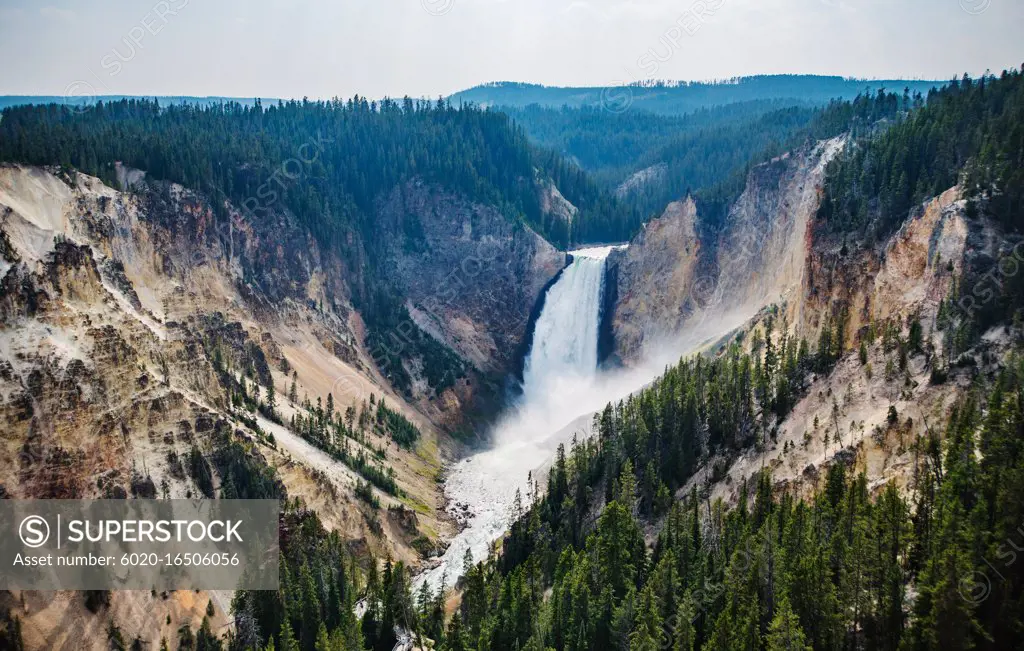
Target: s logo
point(34, 531)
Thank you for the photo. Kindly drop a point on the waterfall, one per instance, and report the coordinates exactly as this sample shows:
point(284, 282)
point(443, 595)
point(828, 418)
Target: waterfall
point(565, 336)
point(558, 380)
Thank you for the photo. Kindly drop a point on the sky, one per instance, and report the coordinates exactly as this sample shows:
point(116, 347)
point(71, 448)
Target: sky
point(426, 48)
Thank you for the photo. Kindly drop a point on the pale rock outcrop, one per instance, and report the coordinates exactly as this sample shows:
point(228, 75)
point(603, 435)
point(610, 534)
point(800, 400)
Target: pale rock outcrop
point(669, 280)
point(640, 179)
point(843, 416)
point(553, 203)
point(654, 279)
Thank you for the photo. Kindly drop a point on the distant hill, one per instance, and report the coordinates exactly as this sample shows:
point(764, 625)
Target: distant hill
point(21, 100)
point(676, 98)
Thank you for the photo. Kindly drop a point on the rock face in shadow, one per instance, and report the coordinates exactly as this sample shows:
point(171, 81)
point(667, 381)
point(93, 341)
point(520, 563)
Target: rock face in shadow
point(471, 277)
point(670, 279)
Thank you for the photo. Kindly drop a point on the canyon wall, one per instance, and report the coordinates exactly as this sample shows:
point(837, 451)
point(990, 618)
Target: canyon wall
point(120, 309)
point(471, 276)
point(772, 264)
point(669, 280)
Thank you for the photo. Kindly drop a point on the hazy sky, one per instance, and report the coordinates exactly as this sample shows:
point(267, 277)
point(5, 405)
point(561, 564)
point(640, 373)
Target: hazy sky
point(323, 48)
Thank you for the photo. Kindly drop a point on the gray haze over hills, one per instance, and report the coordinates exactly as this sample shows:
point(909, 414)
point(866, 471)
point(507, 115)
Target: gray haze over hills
point(667, 98)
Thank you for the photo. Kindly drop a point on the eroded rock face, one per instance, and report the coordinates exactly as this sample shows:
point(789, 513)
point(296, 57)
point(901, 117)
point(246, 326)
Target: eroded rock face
point(553, 203)
point(654, 280)
point(470, 276)
point(669, 281)
point(641, 179)
point(760, 259)
point(127, 320)
point(85, 399)
point(843, 416)
point(166, 259)
point(775, 261)
point(907, 274)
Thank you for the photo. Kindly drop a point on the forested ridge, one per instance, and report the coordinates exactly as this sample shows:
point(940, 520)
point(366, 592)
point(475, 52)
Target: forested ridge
point(326, 161)
point(970, 131)
point(687, 153)
point(700, 152)
point(969, 134)
point(665, 97)
point(844, 570)
point(611, 145)
point(770, 135)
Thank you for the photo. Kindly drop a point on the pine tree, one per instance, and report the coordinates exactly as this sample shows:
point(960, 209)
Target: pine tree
point(186, 639)
point(205, 639)
point(647, 632)
point(683, 630)
point(323, 642)
point(785, 633)
point(456, 638)
point(271, 398)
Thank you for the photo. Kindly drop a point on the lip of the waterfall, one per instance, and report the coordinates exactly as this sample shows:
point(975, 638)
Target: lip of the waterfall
point(597, 252)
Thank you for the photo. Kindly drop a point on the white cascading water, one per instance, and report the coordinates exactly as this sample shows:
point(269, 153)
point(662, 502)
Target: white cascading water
point(562, 364)
point(565, 336)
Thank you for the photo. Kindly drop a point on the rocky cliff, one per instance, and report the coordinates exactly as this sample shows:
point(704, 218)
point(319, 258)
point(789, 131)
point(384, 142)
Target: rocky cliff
point(130, 320)
point(869, 410)
point(669, 281)
point(653, 281)
point(471, 277)
point(775, 266)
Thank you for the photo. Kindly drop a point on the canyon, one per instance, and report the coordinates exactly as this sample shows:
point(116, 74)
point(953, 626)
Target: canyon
point(121, 308)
